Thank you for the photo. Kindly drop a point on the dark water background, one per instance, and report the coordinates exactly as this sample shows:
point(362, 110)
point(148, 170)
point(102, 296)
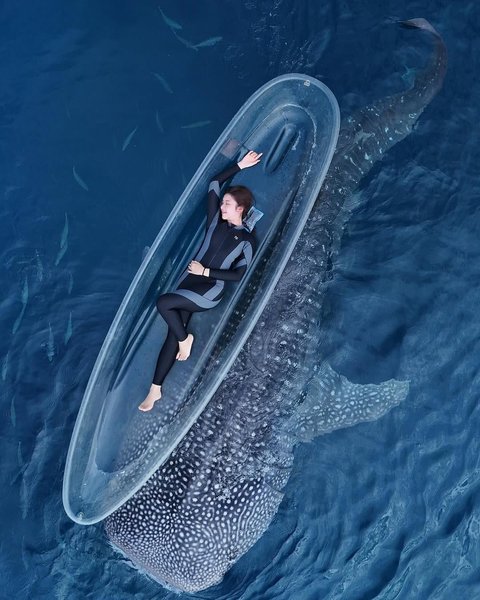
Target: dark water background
point(389, 509)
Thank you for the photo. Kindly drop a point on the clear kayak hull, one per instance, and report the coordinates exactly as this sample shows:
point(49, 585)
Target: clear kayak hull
point(293, 120)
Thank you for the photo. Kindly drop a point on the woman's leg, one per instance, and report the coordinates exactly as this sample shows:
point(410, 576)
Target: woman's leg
point(171, 308)
point(169, 350)
point(165, 361)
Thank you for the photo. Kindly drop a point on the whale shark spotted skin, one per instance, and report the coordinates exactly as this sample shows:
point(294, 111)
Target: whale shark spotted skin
point(222, 485)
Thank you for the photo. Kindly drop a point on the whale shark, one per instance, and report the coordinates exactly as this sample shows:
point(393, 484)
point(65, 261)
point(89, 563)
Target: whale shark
point(222, 485)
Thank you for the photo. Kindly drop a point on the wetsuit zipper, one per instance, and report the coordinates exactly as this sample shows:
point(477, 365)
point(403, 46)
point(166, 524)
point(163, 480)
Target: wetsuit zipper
point(219, 248)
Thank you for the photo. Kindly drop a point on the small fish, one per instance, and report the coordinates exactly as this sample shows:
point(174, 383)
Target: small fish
point(184, 41)
point(5, 365)
point(158, 122)
point(39, 266)
point(13, 415)
point(18, 320)
point(409, 76)
point(170, 22)
point(25, 292)
point(165, 166)
point(70, 282)
point(68, 333)
point(50, 343)
point(16, 325)
point(164, 82)
point(210, 42)
point(24, 505)
point(61, 252)
point(63, 239)
point(128, 139)
point(79, 180)
point(196, 124)
point(20, 459)
point(20, 472)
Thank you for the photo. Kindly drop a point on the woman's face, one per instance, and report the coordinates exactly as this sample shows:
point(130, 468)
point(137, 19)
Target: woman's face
point(230, 209)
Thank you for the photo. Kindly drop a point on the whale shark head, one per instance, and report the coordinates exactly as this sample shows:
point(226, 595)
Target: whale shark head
point(187, 535)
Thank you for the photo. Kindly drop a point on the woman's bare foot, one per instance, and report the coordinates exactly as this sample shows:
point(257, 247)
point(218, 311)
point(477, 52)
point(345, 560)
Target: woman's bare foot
point(154, 394)
point(184, 348)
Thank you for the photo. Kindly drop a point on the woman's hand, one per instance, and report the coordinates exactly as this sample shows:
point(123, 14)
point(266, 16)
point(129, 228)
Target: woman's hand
point(195, 268)
point(250, 159)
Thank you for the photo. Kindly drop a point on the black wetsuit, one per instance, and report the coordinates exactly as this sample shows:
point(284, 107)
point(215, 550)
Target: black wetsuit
point(227, 250)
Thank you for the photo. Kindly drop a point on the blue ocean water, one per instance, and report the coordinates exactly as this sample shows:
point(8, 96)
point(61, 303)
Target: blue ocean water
point(97, 105)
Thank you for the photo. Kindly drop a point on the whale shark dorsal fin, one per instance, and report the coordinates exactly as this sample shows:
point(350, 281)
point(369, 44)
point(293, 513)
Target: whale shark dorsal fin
point(330, 401)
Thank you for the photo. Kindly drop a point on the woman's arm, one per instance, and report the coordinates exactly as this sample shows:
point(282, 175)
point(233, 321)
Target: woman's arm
point(214, 190)
point(241, 264)
point(226, 274)
point(249, 160)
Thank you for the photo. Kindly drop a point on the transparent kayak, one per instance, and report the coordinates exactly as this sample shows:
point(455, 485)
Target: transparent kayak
point(293, 120)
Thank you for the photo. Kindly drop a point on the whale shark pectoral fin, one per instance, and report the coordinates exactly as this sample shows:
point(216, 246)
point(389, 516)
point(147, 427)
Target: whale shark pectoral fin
point(332, 402)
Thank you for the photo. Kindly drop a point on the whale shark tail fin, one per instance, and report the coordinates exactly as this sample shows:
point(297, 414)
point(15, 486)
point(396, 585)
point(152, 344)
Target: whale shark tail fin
point(329, 402)
point(419, 23)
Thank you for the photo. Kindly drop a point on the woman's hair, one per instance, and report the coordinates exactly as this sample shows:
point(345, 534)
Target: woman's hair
point(243, 197)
